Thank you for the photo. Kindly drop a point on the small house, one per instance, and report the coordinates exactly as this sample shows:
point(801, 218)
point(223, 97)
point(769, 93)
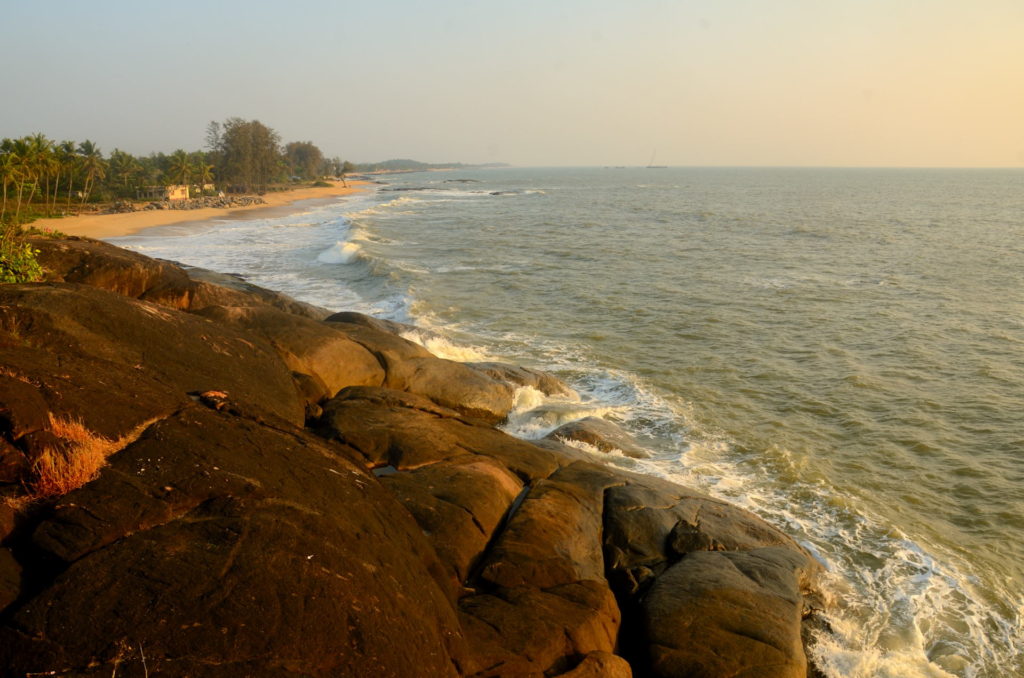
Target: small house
point(174, 192)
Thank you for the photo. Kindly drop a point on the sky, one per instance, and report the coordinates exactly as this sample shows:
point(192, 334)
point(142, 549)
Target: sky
point(909, 83)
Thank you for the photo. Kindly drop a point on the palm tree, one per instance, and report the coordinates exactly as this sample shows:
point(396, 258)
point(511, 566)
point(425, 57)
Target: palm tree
point(180, 168)
point(123, 169)
point(203, 173)
point(18, 150)
point(10, 171)
point(92, 166)
point(38, 159)
point(64, 154)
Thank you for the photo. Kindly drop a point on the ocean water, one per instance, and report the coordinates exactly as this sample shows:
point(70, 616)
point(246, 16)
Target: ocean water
point(839, 350)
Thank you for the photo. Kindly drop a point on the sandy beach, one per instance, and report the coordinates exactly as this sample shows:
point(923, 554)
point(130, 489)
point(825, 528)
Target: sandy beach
point(113, 225)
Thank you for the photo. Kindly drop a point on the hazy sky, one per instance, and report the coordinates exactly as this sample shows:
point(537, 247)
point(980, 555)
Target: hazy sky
point(552, 82)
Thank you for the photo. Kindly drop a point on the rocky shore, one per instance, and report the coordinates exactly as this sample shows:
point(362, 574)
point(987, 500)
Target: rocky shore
point(289, 491)
point(217, 202)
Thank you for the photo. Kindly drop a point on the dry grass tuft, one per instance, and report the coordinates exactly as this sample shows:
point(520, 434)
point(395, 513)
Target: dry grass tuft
point(79, 460)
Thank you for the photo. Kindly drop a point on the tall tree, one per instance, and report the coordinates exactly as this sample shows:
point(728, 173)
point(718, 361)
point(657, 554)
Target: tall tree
point(92, 167)
point(203, 172)
point(64, 154)
point(10, 171)
point(37, 156)
point(248, 154)
point(304, 159)
point(20, 158)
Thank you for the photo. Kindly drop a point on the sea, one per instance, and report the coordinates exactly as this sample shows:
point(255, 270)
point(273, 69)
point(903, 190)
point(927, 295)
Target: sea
point(840, 351)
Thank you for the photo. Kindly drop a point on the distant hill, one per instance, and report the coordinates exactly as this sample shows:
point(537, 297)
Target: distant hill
point(406, 165)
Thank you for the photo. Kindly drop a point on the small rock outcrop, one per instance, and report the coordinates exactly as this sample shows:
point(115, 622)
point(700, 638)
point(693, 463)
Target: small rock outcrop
point(600, 434)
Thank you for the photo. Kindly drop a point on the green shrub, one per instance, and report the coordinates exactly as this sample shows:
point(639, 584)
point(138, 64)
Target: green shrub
point(321, 184)
point(18, 262)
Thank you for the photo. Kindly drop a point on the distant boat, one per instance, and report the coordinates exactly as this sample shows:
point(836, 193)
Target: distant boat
point(651, 164)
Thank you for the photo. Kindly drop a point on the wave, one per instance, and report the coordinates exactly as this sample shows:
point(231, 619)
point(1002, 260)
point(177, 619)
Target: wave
point(340, 253)
point(535, 415)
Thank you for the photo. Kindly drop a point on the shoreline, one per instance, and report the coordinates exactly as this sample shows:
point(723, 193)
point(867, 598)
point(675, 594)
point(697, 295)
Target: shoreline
point(255, 429)
point(277, 203)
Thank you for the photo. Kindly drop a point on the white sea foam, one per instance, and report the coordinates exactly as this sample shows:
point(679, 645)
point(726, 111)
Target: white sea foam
point(339, 253)
point(534, 414)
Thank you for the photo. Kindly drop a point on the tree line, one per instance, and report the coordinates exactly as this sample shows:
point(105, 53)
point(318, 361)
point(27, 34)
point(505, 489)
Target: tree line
point(44, 177)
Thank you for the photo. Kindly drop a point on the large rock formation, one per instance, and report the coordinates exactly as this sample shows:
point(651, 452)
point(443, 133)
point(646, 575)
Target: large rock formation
point(284, 496)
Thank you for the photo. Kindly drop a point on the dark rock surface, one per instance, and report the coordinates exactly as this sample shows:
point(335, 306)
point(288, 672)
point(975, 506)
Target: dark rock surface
point(222, 546)
point(179, 351)
point(401, 534)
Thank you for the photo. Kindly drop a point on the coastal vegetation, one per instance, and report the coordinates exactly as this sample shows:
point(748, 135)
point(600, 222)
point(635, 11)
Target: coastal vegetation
point(43, 177)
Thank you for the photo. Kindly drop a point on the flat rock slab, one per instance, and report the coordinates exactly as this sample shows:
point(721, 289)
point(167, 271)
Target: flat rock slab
point(183, 352)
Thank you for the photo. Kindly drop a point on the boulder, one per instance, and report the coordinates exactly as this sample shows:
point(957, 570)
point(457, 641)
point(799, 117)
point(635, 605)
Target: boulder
point(43, 386)
point(530, 632)
point(218, 546)
point(222, 289)
point(7, 521)
point(406, 431)
point(554, 538)
point(453, 385)
point(305, 345)
point(459, 504)
point(601, 434)
point(410, 367)
point(515, 375)
point(729, 613)
point(549, 602)
point(650, 523)
point(177, 352)
point(99, 264)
